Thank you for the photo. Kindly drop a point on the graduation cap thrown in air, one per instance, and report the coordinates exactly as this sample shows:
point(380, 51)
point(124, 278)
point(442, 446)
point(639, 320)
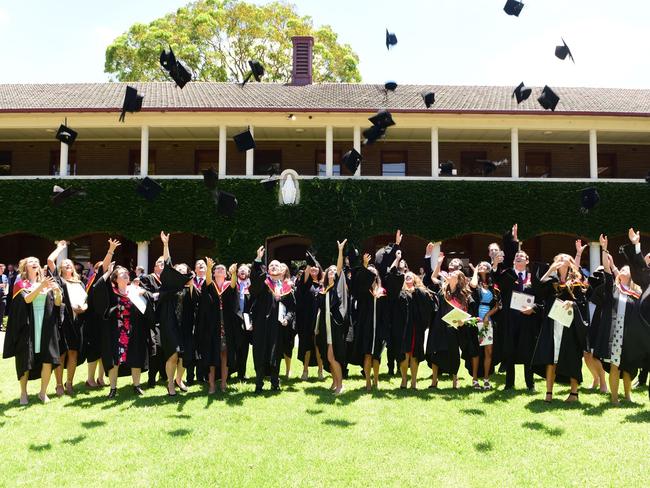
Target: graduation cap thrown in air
point(257, 71)
point(311, 260)
point(172, 279)
point(351, 160)
point(548, 99)
point(226, 203)
point(244, 141)
point(59, 195)
point(175, 68)
point(563, 51)
point(513, 7)
point(390, 86)
point(589, 199)
point(382, 119)
point(429, 98)
point(447, 168)
point(522, 92)
point(272, 181)
point(373, 133)
point(490, 166)
point(210, 178)
point(66, 135)
point(132, 102)
point(391, 39)
point(149, 189)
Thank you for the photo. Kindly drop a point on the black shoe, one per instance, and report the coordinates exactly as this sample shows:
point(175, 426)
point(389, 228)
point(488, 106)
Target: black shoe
point(531, 389)
point(390, 372)
point(258, 389)
point(275, 387)
point(189, 382)
point(508, 387)
point(138, 390)
point(112, 393)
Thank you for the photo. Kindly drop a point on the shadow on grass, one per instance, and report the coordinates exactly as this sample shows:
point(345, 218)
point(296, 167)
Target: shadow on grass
point(92, 424)
point(540, 427)
point(180, 416)
point(74, 440)
point(40, 447)
point(338, 422)
point(179, 432)
point(314, 411)
point(472, 411)
point(639, 417)
point(485, 446)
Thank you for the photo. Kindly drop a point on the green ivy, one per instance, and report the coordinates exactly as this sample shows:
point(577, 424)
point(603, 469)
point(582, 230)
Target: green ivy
point(328, 210)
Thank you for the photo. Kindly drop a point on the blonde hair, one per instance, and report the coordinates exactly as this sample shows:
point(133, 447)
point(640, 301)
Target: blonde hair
point(22, 269)
point(75, 275)
point(462, 291)
point(417, 283)
point(632, 286)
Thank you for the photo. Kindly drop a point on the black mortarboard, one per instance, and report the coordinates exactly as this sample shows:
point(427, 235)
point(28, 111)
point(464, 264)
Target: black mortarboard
point(490, 166)
point(244, 141)
point(210, 178)
point(548, 99)
point(429, 98)
point(447, 168)
point(647, 178)
point(390, 86)
point(351, 160)
point(149, 189)
point(257, 71)
point(311, 260)
point(176, 69)
point(353, 253)
point(271, 182)
point(59, 194)
point(371, 134)
point(513, 7)
point(172, 279)
point(226, 203)
point(382, 119)
point(391, 39)
point(563, 51)
point(522, 92)
point(589, 199)
point(66, 135)
point(132, 102)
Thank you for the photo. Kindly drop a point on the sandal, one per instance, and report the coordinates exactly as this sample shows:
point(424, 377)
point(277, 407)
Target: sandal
point(571, 394)
point(487, 385)
point(476, 385)
point(548, 394)
point(433, 386)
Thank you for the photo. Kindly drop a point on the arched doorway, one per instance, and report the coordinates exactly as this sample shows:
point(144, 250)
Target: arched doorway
point(289, 249)
point(544, 247)
point(14, 247)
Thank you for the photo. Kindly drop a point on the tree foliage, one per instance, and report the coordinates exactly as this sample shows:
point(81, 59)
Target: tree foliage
point(217, 38)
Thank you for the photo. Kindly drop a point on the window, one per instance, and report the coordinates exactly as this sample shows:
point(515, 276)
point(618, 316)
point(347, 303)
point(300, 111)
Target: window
point(134, 162)
point(472, 162)
point(55, 162)
point(5, 163)
point(606, 165)
point(393, 163)
point(266, 159)
point(538, 164)
point(336, 166)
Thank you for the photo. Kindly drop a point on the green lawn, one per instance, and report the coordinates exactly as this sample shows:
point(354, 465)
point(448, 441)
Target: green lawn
point(304, 437)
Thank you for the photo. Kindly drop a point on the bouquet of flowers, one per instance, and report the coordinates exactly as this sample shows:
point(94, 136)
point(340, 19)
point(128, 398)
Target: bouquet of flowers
point(473, 322)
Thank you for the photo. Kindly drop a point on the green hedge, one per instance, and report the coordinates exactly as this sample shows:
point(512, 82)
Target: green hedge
point(328, 210)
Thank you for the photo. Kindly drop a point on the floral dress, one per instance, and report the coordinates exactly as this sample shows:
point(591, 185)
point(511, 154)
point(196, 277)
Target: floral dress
point(124, 327)
point(485, 334)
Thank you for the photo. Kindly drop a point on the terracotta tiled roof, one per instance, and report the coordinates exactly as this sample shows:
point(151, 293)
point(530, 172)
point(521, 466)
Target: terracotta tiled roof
point(330, 97)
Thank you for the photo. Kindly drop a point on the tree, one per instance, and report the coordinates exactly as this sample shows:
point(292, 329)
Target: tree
point(217, 38)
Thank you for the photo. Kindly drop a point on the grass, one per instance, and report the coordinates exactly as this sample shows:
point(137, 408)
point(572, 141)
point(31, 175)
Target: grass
point(303, 436)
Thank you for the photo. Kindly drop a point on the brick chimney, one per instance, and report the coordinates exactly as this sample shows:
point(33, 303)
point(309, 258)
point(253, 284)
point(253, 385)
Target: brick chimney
point(301, 74)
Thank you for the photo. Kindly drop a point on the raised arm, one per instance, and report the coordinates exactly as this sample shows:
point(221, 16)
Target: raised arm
point(233, 275)
point(112, 245)
point(474, 281)
point(165, 242)
point(51, 259)
point(605, 255)
point(339, 260)
point(208, 274)
point(579, 250)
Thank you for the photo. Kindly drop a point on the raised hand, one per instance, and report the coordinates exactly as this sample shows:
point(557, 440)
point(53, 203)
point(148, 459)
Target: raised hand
point(341, 245)
point(233, 270)
point(398, 237)
point(164, 237)
point(473, 268)
point(579, 247)
point(366, 260)
point(48, 283)
point(515, 230)
point(113, 244)
point(441, 258)
point(209, 264)
point(635, 237)
point(603, 242)
point(260, 252)
point(61, 245)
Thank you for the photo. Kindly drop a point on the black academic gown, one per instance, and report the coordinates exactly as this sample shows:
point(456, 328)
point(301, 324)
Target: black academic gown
point(19, 337)
point(266, 326)
point(92, 331)
point(218, 306)
point(411, 315)
point(71, 329)
point(574, 338)
point(338, 324)
point(443, 344)
point(175, 311)
point(306, 307)
point(371, 324)
point(106, 304)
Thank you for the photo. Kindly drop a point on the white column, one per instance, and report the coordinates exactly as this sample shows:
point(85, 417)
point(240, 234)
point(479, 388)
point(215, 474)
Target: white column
point(593, 154)
point(143, 255)
point(435, 156)
point(329, 150)
point(357, 145)
point(514, 152)
point(250, 157)
point(63, 160)
point(144, 151)
point(594, 256)
point(222, 150)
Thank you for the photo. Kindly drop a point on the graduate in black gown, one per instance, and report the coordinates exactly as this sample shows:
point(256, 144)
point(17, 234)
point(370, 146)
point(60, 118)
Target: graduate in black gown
point(73, 317)
point(151, 283)
point(191, 355)
point(617, 301)
point(273, 300)
point(176, 313)
point(331, 326)
point(218, 324)
point(371, 331)
point(445, 340)
point(412, 315)
point(559, 349)
point(32, 335)
point(383, 260)
point(307, 289)
point(92, 336)
point(288, 333)
point(245, 320)
point(125, 329)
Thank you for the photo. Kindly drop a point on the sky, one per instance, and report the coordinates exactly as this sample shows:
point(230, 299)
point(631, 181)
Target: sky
point(454, 42)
